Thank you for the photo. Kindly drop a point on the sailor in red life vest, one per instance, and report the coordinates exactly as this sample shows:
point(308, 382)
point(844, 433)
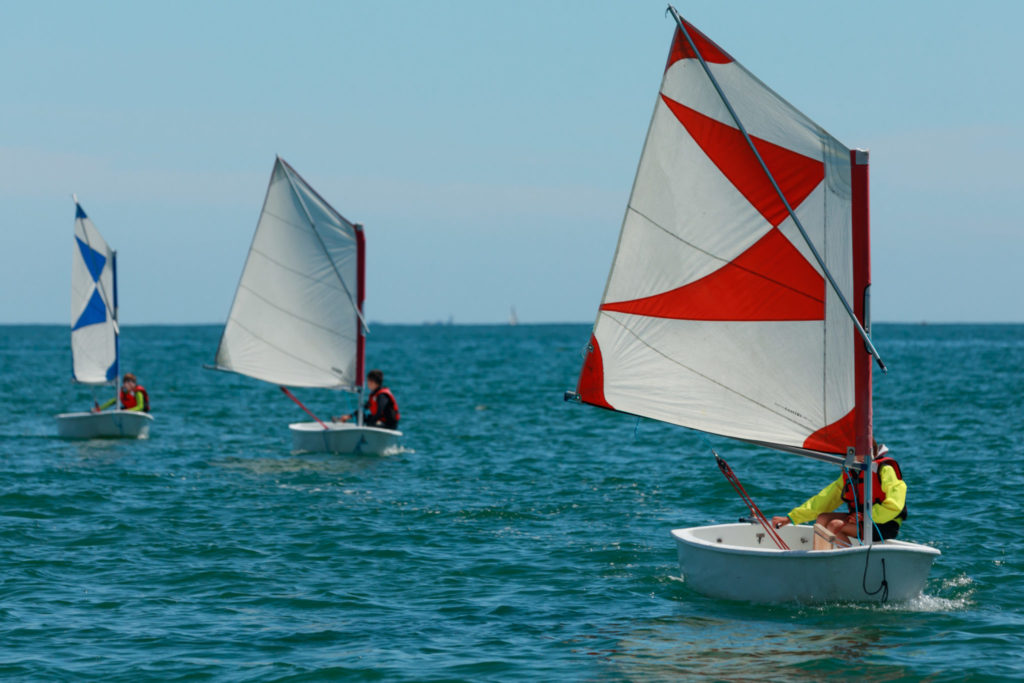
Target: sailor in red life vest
point(133, 396)
point(381, 406)
point(888, 511)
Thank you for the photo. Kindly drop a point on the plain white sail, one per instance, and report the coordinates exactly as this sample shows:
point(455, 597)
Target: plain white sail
point(93, 305)
point(295, 317)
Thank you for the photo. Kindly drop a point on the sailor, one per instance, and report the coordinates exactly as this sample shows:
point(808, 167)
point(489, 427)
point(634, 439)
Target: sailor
point(889, 509)
point(381, 409)
point(133, 396)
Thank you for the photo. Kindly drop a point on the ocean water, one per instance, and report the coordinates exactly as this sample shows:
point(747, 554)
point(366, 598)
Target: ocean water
point(515, 537)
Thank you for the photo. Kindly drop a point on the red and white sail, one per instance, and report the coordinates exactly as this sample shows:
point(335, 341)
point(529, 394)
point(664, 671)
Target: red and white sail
point(716, 315)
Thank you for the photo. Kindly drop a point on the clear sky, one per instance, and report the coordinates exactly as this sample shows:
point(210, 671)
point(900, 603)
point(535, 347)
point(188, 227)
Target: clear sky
point(489, 148)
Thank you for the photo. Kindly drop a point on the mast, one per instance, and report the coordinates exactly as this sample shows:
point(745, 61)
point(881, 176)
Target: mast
point(117, 333)
point(360, 327)
point(863, 416)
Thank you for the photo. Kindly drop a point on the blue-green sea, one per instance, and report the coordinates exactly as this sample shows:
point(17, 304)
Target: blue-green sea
point(514, 537)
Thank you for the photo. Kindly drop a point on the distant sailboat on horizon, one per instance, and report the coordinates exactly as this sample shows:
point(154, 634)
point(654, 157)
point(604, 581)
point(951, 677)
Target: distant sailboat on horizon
point(297, 316)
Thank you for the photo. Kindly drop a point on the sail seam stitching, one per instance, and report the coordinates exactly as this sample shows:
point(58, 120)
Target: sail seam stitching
point(290, 314)
point(324, 281)
point(283, 351)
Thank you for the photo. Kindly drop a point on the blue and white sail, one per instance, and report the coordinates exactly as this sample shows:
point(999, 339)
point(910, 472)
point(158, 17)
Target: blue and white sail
point(94, 326)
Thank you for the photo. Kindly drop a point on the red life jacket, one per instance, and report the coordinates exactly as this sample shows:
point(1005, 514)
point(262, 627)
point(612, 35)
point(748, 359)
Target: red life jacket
point(371, 405)
point(128, 400)
point(854, 494)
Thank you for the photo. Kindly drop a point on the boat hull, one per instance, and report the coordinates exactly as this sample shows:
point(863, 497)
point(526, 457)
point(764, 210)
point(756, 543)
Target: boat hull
point(343, 438)
point(740, 562)
point(110, 424)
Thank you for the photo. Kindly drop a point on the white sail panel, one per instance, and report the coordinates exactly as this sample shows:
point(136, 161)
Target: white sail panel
point(294, 320)
point(93, 305)
point(716, 316)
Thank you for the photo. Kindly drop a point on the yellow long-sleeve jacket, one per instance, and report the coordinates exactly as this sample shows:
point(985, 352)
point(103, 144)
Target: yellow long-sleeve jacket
point(831, 497)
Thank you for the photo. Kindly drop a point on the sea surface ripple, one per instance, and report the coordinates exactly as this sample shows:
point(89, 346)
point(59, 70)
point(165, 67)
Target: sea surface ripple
point(514, 537)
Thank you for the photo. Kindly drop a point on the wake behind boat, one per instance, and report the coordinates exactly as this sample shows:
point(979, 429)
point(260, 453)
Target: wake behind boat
point(297, 316)
point(94, 337)
point(728, 310)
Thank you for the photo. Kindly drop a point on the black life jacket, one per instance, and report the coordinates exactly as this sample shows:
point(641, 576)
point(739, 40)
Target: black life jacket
point(853, 486)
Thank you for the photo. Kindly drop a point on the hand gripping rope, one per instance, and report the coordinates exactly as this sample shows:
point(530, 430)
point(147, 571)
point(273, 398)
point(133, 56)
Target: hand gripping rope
point(755, 511)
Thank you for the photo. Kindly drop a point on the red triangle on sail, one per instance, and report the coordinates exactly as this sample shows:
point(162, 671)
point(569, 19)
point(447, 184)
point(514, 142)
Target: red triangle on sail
point(708, 50)
point(591, 384)
point(797, 175)
point(836, 437)
point(769, 281)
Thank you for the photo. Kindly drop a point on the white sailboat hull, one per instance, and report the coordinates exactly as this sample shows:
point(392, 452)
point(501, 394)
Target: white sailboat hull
point(342, 437)
point(110, 424)
point(740, 562)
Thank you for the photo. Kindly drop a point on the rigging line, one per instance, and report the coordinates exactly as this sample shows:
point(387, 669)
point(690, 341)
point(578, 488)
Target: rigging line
point(856, 504)
point(327, 204)
point(702, 375)
point(724, 260)
point(883, 586)
point(291, 314)
point(328, 371)
point(792, 214)
point(312, 225)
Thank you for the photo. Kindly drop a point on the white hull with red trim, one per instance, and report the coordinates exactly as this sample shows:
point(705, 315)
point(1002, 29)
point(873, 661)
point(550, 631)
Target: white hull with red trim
point(740, 562)
point(343, 438)
point(110, 424)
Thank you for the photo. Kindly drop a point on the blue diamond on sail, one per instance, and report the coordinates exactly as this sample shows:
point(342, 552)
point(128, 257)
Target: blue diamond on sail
point(95, 312)
point(94, 260)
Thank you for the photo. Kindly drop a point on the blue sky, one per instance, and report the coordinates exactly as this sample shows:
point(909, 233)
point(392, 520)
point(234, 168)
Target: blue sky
point(489, 148)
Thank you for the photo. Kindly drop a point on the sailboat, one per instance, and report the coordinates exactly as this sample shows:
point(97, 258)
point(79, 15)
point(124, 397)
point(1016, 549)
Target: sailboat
point(297, 316)
point(738, 305)
point(94, 337)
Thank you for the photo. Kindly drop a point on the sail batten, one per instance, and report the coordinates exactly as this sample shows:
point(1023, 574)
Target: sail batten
point(726, 308)
point(294, 321)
